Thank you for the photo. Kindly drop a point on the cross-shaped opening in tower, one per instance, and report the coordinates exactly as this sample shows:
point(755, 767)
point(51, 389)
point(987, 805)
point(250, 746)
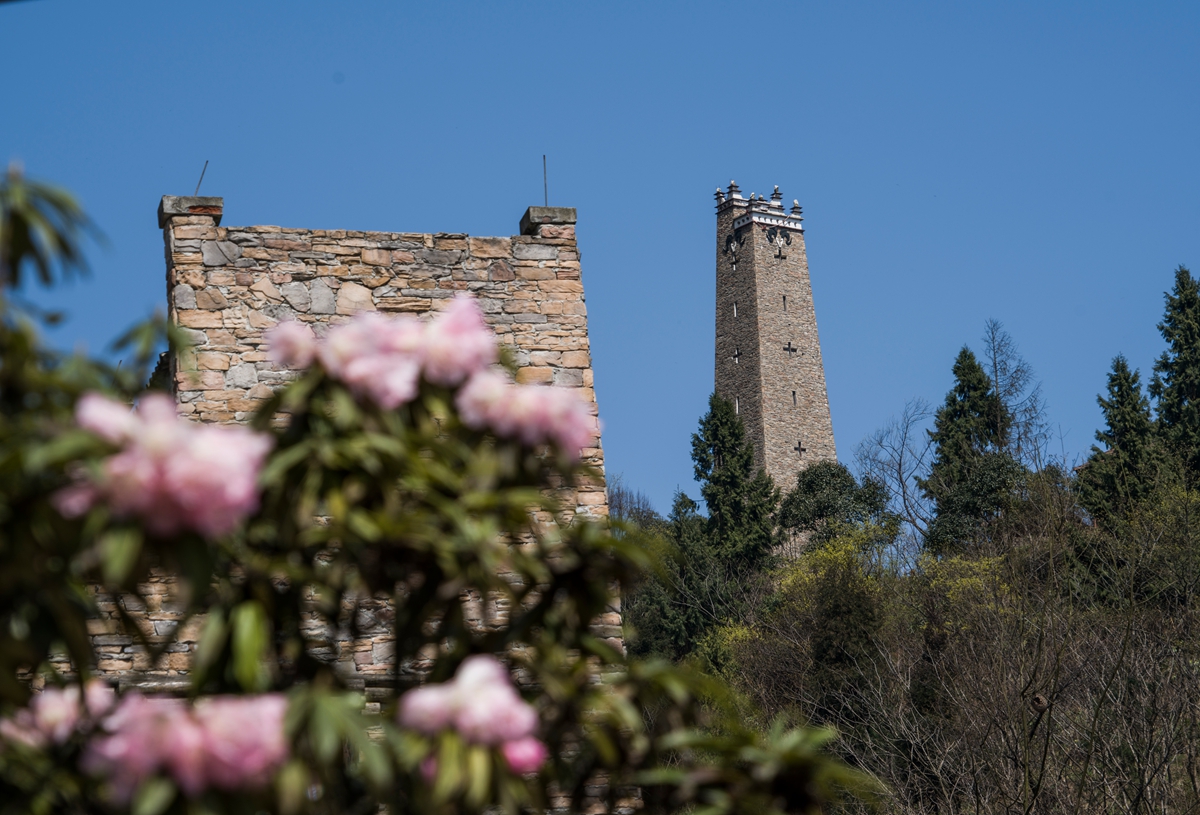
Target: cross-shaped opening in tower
point(800, 448)
point(737, 356)
point(790, 350)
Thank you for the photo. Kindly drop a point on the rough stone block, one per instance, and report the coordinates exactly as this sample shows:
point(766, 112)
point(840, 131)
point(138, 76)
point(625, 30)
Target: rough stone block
point(377, 257)
point(184, 296)
point(211, 299)
point(321, 299)
point(219, 253)
point(296, 295)
point(490, 247)
point(353, 298)
point(242, 376)
point(535, 251)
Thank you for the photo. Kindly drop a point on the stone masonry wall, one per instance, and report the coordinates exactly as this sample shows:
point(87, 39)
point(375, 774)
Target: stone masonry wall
point(227, 285)
point(778, 377)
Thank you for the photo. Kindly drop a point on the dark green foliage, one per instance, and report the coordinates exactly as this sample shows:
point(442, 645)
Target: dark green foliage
point(717, 560)
point(827, 501)
point(666, 613)
point(972, 476)
point(845, 623)
point(741, 502)
point(1176, 382)
point(972, 421)
point(980, 497)
point(41, 226)
point(1126, 470)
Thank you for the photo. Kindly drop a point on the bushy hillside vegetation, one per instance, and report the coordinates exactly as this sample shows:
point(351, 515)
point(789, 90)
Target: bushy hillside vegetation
point(989, 630)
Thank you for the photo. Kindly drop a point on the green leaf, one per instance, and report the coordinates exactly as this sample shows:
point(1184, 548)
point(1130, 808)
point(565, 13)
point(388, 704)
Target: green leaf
point(479, 775)
point(153, 797)
point(212, 641)
point(291, 785)
point(251, 636)
point(119, 550)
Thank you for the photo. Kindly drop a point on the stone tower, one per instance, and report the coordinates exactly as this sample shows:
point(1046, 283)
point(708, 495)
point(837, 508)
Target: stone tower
point(768, 353)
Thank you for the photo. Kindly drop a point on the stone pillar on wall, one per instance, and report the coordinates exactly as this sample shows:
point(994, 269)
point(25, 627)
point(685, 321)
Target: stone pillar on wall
point(768, 354)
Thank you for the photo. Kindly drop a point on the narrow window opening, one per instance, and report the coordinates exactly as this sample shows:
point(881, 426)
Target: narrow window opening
point(785, 302)
point(793, 398)
point(737, 356)
point(735, 308)
point(737, 406)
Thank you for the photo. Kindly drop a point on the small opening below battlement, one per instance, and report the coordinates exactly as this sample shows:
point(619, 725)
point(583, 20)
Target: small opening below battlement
point(785, 302)
point(793, 398)
point(735, 308)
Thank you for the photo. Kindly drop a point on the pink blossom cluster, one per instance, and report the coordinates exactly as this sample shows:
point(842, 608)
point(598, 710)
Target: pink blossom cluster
point(55, 714)
point(383, 359)
point(535, 414)
point(171, 474)
point(482, 705)
point(227, 743)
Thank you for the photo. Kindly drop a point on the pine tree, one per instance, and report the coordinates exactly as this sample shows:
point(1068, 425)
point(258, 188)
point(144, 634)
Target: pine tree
point(972, 478)
point(741, 502)
point(971, 422)
point(1176, 383)
point(1125, 471)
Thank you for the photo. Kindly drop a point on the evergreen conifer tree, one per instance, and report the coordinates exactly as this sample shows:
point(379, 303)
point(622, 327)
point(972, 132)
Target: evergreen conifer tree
point(972, 477)
point(741, 502)
point(1125, 470)
point(971, 422)
point(1176, 383)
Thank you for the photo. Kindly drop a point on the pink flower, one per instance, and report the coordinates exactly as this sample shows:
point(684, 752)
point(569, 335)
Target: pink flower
point(292, 344)
point(136, 744)
point(244, 740)
point(535, 414)
point(525, 755)
point(480, 672)
point(174, 475)
point(21, 729)
point(480, 401)
point(429, 709)
point(55, 714)
point(480, 703)
point(458, 343)
point(429, 768)
point(376, 358)
point(109, 419)
point(495, 715)
point(228, 743)
point(76, 499)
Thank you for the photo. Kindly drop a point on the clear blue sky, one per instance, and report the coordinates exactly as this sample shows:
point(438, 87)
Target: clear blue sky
point(1032, 162)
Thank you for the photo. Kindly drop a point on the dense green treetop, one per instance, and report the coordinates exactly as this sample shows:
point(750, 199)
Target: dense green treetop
point(741, 502)
point(972, 421)
point(1176, 382)
point(1123, 471)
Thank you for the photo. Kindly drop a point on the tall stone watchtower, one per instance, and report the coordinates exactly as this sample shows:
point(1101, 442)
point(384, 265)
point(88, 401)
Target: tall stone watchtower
point(768, 353)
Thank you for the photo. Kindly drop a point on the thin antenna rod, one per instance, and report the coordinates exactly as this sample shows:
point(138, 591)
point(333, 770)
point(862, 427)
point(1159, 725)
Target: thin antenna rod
point(545, 183)
point(201, 181)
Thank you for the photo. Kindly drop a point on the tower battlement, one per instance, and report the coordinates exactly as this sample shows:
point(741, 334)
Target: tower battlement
point(768, 353)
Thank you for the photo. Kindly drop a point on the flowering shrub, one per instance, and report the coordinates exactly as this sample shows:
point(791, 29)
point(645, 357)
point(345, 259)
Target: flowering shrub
point(480, 703)
point(170, 474)
point(384, 359)
point(401, 465)
point(228, 743)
